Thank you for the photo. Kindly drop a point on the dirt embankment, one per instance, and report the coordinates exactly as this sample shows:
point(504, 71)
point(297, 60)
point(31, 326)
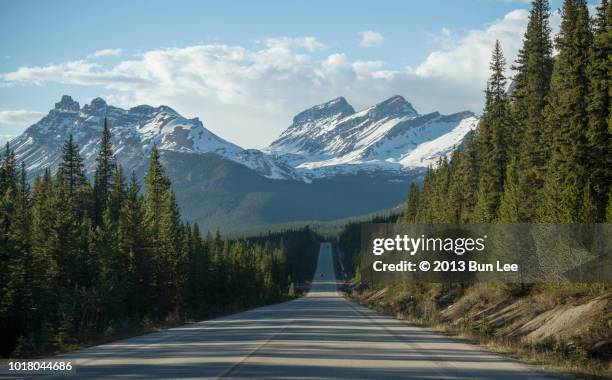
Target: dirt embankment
point(564, 327)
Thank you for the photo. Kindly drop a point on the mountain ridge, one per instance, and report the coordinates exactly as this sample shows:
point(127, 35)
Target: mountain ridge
point(383, 137)
point(223, 186)
point(327, 139)
point(135, 131)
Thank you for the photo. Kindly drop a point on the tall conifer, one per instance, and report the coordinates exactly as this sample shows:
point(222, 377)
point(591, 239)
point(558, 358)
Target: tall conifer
point(566, 118)
point(599, 131)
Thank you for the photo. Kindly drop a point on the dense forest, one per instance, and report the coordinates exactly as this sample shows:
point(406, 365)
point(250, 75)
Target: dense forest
point(541, 153)
point(83, 259)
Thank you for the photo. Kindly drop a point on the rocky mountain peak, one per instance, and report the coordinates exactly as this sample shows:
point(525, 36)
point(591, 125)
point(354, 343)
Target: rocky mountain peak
point(167, 110)
point(134, 132)
point(389, 136)
point(395, 106)
point(97, 107)
point(66, 104)
point(337, 107)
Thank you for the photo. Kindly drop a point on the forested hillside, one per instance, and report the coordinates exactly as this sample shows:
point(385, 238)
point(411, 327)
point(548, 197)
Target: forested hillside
point(86, 259)
point(541, 153)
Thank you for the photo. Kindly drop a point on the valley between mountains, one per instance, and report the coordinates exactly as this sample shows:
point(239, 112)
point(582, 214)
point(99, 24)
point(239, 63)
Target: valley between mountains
point(332, 162)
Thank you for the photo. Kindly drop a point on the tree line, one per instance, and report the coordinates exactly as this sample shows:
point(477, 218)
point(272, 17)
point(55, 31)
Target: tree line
point(86, 258)
point(541, 152)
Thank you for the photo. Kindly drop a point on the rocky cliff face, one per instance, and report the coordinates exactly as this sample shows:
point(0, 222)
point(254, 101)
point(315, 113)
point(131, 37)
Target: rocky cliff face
point(323, 141)
point(332, 138)
point(134, 131)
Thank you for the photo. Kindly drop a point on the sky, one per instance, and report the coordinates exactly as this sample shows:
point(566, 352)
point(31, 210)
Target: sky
point(245, 68)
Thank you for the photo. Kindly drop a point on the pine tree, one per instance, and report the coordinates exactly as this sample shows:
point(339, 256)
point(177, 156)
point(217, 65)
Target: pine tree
point(10, 322)
point(566, 118)
point(156, 217)
point(588, 210)
point(157, 190)
point(599, 141)
point(464, 180)
point(172, 254)
point(532, 83)
point(20, 235)
point(71, 173)
point(424, 212)
point(440, 207)
point(512, 202)
point(197, 286)
point(47, 293)
point(412, 204)
point(116, 195)
point(8, 170)
point(114, 264)
point(105, 171)
point(133, 244)
point(492, 140)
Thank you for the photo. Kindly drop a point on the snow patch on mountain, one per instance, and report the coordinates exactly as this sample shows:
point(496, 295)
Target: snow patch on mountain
point(135, 131)
point(390, 136)
point(325, 140)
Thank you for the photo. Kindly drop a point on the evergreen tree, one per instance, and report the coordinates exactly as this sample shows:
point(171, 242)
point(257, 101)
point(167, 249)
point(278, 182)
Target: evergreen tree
point(8, 171)
point(133, 244)
point(71, 173)
point(588, 210)
point(46, 291)
point(105, 171)
point(172, 254)
point(464, 180)
point(9, 253)
point(566, 118)
point(599, 155)
point(157, 190)
point(424, 212)
point(157, 222)
point(532, 82)
point(412, 205)
point(439, 198)
point(493, 137)
point(116, 196)
point(512, 202)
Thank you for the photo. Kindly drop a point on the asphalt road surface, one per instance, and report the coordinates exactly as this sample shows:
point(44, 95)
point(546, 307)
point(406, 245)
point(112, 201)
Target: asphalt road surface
point(319, 336)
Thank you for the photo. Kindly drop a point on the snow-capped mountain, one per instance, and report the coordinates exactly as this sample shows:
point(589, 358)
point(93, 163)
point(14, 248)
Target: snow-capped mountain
point(221, 185)
point(332, 138)
point(323, 141)
point(134, 131)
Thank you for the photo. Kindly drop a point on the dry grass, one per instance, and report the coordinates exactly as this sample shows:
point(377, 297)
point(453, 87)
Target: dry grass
point(556, 327)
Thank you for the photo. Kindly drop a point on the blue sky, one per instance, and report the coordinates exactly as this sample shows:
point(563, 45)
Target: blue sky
point(246, 67)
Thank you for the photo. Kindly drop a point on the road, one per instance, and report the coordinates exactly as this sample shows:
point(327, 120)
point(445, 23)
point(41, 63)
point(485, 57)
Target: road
point(319, 336)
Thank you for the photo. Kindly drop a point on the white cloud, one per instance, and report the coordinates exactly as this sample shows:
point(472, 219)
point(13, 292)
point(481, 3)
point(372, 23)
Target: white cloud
point(19, 117)
point(107, 53)
point(249, 95)
point(311, 44)
point(468, 58)
point(370, 38)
